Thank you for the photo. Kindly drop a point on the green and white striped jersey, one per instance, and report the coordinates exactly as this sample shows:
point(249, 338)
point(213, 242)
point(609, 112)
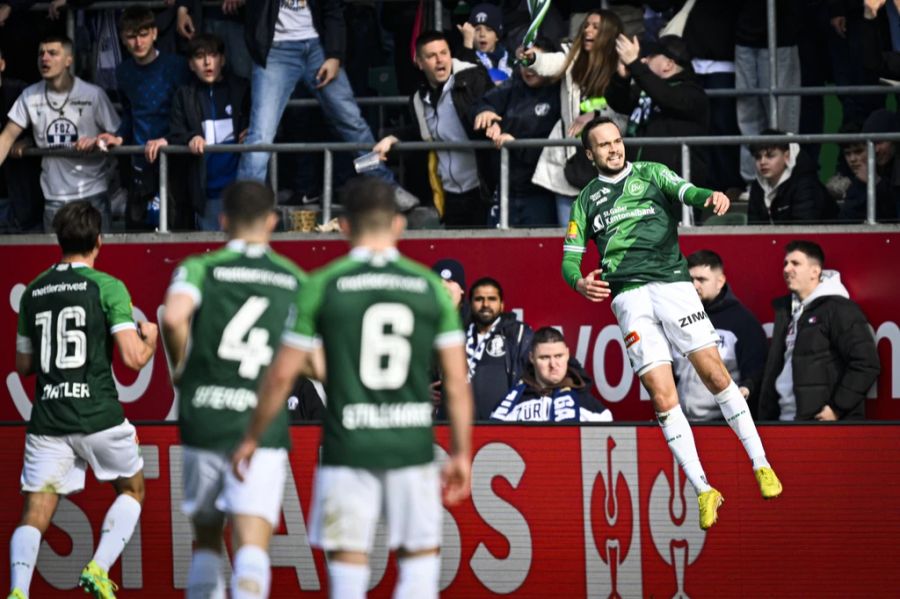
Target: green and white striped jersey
point(633, 219)
point(379, 317)
point(67, 318)
point(243, 296)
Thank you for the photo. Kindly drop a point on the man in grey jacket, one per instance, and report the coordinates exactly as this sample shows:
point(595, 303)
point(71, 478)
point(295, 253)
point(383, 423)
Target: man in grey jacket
point(823, 357)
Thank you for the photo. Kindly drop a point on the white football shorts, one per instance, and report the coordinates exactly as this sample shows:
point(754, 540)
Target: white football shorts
point(211, 489)
point(57, 464)
point(347, 503)
point(655, 315)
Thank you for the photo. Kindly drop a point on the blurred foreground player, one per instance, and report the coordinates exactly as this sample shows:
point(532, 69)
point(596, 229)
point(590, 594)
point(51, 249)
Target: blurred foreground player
point(378, 317)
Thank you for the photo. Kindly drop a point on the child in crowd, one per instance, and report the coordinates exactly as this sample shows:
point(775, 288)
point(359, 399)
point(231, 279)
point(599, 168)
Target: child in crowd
point(481, 42)
point(214, 108)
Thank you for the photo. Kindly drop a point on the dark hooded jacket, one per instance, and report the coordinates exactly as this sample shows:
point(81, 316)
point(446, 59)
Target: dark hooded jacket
point(799, 196)
point(502, 363)
point(674, 107)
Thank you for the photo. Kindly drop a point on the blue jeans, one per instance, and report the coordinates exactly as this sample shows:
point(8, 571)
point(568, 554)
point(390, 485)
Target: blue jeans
point(288, 64)
point(209, 220)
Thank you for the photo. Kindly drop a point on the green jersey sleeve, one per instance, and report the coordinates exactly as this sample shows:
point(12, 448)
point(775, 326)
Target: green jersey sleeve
point(575, 243)
point(23, 331)
point(300, 330)
point(188, 279)
point(114, 301)
point(674, 187)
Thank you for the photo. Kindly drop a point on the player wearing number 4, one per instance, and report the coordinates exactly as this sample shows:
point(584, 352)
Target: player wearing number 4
point(631, 211)
point(70, 317)
point(224, 313)
point(379, 318)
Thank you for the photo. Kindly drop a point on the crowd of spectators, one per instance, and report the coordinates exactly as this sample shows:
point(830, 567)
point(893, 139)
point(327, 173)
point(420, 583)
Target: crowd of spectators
point(193, 75)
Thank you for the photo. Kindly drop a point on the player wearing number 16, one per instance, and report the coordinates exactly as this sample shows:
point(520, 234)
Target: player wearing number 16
point(70, 318)
point(224, 313)
point(380, 319)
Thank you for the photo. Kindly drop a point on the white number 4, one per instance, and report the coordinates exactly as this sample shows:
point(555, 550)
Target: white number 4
point(254, 353)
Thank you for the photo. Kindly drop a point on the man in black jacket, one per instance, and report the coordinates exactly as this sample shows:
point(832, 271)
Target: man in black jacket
point(439, 110)
point(742, 341)
point(302, 41)
point(497, 346)
point(664, 99)
point(213, 108)
point(823, 358)
point(787, 187)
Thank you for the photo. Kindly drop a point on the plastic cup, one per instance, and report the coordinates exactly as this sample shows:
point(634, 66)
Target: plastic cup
point(367, 162)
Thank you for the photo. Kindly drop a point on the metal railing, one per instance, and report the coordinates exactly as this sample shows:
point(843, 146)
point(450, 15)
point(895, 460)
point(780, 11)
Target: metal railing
point(328, 149)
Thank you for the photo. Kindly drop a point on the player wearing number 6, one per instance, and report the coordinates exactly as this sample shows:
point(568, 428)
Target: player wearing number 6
point(70, 317)
point(224, 313)
point(380, 318)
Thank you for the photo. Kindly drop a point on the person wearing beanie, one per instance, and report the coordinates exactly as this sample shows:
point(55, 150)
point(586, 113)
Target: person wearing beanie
point(481, 41)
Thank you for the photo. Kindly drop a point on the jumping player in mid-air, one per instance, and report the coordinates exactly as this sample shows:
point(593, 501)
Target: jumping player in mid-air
point(631, 212)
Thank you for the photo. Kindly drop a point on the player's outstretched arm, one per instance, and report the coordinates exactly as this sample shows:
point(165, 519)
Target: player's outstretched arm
point(457, 472)
point(176, 325)
point(273, 391)
point(137, 346)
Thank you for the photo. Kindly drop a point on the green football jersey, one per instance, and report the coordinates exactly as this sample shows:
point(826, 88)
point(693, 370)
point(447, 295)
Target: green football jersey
point(379, 317)
point(67, 318)
point(243, 295)
point(633, 219)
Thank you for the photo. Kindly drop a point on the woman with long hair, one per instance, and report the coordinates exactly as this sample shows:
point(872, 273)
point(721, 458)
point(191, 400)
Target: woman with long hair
point(584, 69)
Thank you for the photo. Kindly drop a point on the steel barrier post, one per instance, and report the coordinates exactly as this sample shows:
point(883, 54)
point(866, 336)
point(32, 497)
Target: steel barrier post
point(504, 187)
point(163, 191)
point(870, 182)
point(773, 64)
point(687, 212)
point(326, 186)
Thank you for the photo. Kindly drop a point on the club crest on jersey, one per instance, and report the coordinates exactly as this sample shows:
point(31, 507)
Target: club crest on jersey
point(496, 347)
point(542, 109)
point(61, 132)
point(631, 338)
point(636, 187)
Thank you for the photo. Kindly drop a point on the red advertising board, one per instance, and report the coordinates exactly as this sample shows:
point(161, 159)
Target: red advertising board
point(593, 511)
point(529, 269)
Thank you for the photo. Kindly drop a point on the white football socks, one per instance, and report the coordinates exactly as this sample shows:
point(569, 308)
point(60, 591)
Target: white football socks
point(252, 574)
point(23, 550)
point(678, 435)
point(118, 526)
point(418, 577)
point(205, 578)
point(347, 581)
point(737, 415)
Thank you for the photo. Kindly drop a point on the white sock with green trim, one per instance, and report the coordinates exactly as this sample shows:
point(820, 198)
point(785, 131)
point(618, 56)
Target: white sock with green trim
point(737, 415)
point(678, 434)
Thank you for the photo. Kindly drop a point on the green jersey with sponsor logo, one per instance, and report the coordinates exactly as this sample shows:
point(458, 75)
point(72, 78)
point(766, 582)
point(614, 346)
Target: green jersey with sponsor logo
point(67, 318)
point(633, 219)
point(244, 295)
point(379, 316)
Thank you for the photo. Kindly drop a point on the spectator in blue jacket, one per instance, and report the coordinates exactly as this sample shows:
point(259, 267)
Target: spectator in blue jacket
point(553, 388)
point(147, 81)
